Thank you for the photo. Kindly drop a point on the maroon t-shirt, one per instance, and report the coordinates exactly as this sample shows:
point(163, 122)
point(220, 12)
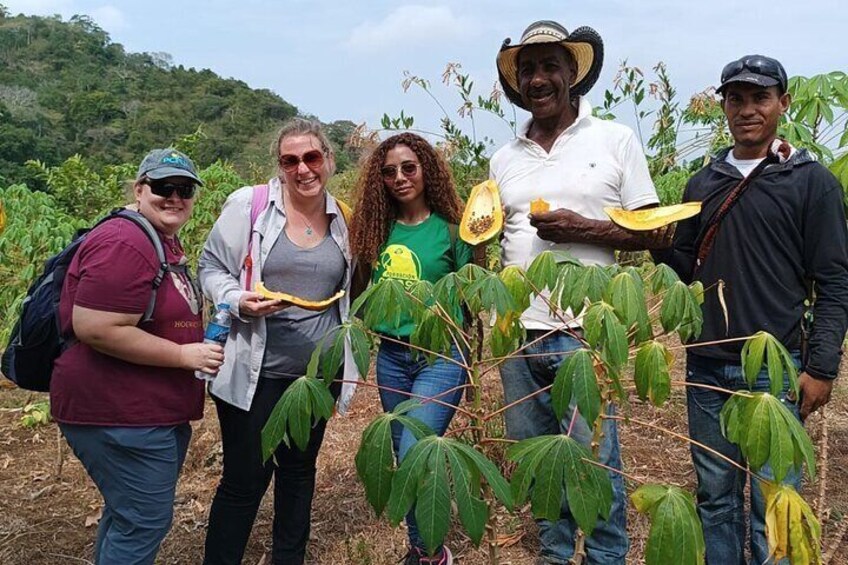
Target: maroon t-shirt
point(113, 271)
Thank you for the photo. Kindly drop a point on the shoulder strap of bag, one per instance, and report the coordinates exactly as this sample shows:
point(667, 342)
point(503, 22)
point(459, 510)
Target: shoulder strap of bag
point(258, 203)
point(148, 229)
point(705, 241)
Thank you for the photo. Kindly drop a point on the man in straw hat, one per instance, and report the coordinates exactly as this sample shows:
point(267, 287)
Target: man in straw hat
point(578, 164)
point(772, 235)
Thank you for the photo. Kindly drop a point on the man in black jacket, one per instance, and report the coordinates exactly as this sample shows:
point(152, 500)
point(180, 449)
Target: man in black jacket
point(782, 238)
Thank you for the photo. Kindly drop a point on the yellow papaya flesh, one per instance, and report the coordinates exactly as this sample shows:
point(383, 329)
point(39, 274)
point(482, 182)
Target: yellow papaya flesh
point(652, 218)
point(483, 216)
point(296, 300)
point(539, 206)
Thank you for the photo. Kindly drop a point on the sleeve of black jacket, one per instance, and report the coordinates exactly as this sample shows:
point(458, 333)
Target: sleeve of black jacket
point(681, 255)
point(826, 263)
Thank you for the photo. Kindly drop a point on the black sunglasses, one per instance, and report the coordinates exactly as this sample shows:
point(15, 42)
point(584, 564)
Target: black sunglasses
point(756, 64)
point(407, 168)
point(165, 189)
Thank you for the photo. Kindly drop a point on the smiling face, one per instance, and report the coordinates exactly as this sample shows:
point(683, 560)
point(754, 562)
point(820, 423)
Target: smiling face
point(753, 113)
point(304, 181)
point(406, 190)
point(545, 71)
point(167, 214)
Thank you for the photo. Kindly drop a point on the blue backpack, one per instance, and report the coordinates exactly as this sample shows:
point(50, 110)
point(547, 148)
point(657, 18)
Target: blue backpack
point(36, 340)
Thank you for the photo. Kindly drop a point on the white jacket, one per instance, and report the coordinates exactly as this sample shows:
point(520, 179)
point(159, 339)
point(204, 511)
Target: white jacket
point(222, 276)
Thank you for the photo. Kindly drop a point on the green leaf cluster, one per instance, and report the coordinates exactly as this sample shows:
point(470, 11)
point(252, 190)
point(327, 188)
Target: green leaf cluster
point(681, 310)
point(652, 372)
point(676, 535)
point(763, 346)
point(550, 467)
point(305, 402)
point(767, 432)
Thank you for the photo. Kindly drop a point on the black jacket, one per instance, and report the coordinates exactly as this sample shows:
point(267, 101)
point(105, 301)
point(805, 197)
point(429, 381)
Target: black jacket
point(786, 233)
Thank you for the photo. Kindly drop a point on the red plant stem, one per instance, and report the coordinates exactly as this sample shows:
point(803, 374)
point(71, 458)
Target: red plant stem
point(458, 431)
point(618, 471)
point(411, 346)
point(571, 424)
point(491, 415)
point(688, 440)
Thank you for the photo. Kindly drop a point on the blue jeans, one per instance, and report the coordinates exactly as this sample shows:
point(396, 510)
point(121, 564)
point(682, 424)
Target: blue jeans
point(136, 471)
point(721, 486)
point(522, 376)
point(399, 368)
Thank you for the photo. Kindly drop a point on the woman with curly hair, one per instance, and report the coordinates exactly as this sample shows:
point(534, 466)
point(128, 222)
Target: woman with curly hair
point(404, 227)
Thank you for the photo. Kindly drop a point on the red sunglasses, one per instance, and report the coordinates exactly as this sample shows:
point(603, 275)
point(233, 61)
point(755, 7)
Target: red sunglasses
point(312, 159)
point(407, 168)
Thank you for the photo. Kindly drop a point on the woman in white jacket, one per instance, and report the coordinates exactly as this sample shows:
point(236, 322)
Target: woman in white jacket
point(298, 243)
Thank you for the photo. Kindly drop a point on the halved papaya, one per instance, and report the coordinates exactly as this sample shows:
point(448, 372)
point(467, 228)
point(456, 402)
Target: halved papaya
point(652, 218)
point(296, 300)
point(483, 216)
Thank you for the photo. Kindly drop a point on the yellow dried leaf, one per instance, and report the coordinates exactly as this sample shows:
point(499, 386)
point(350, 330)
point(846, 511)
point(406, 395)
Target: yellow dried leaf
point(791, 527)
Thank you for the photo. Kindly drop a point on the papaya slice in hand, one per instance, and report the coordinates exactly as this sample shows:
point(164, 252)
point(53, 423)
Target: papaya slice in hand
point(539, 206)
point(483, 216)
point(296, 300)
point(652, 218)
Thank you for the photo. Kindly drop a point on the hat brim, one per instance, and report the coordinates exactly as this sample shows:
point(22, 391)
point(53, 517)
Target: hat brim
point(585, 46)
point(750, 78)
point(165, 172)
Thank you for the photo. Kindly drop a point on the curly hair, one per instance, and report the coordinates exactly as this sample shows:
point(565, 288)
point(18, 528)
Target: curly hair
point(376, 210)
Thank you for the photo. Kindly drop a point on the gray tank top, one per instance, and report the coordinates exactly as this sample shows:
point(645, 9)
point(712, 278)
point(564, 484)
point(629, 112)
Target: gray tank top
point(293, 333)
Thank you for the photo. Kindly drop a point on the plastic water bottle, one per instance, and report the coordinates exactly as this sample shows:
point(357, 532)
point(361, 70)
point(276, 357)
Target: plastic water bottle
point(217, 331)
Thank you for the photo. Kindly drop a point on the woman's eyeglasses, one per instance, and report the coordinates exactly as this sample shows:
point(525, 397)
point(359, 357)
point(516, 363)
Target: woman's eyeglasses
point(312, 159)
point(407, 168)
point(165, 189)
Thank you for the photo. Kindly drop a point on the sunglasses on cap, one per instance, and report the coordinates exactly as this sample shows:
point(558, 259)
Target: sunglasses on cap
point(165, 188)
point(407, 168)
point(312, 159)
point(758, 65)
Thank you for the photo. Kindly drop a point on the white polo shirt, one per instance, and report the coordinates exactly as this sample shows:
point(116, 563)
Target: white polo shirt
point(594, 163)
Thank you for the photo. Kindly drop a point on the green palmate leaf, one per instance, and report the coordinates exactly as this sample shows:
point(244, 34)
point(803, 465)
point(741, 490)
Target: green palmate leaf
point(332, 358)
point(375, 462)
point(543, 271)
point(603, 329)
point(315, 359)
point(506, 335)
point(421, 292)
point(628, 299)
point(778, 362)
point(693, 317)
point(554, 463)
point(361, 299)
point(470, 273)
point(663, 278)
point(591, 285)
point(566, 280)
point(387, 304)
point(766, 431)
point(406, 480)
point(432, 509)
point(651, 374)
point(488, 293)
point(697, 289)
point(303, 403)
point(446, 293)
point(473, 511)
point(575, 379)
point(360, 345)
point(513, 279)
point(676, 535)
point(432, 334)
point(681, 311)
point(499, 485)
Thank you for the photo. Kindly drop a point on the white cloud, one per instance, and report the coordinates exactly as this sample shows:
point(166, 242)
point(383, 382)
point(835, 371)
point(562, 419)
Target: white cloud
point(409, 25)
point(109, 18)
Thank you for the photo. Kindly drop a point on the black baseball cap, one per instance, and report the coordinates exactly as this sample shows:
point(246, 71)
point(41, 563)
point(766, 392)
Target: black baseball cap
point(754, 69)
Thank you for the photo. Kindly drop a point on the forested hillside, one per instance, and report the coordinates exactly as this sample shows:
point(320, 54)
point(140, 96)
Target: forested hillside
point(66, 89)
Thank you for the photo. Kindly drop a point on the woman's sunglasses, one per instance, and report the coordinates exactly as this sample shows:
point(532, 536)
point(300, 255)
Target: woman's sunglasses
point(407, 168)
point(312, 159)
point(165, 189)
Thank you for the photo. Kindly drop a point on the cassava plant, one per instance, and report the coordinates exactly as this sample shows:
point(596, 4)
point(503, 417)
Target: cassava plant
point(624, 314)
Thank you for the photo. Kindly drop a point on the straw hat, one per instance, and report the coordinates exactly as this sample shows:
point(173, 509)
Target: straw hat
point(584, 44)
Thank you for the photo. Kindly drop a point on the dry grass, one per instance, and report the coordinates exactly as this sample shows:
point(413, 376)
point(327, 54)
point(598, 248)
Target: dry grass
point(49, 520)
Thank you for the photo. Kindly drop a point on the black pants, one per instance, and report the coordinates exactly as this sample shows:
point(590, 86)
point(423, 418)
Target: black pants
point(245, 480)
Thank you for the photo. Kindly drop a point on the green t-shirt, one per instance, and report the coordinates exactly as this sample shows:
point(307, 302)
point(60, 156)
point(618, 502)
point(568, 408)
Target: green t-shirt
point(421, 252)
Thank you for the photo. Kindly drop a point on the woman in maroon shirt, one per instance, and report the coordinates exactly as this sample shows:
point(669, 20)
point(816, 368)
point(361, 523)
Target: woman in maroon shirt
point(124, 392)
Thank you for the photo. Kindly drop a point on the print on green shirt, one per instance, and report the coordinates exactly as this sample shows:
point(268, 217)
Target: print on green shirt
point(422, 252)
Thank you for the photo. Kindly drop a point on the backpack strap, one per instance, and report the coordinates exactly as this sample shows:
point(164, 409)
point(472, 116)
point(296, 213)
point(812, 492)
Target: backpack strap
point(258, 203)
point(148, 229)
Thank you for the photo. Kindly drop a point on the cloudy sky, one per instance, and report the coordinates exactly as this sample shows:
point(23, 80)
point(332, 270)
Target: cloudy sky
point(345, 60)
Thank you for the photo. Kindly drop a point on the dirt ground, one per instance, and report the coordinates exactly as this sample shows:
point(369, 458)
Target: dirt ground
point(47, 518)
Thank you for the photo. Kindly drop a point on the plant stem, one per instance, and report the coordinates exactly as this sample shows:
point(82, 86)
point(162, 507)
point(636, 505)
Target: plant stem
point(821, 511)
point(424, 399)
